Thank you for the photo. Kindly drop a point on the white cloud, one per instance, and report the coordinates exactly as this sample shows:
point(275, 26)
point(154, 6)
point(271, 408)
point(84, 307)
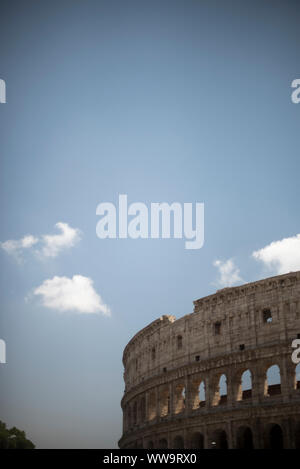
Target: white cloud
point(53, 244)
point(15, 247)
point(281, 256)
point(76, 294)
point(229, 273)
point(50, 245)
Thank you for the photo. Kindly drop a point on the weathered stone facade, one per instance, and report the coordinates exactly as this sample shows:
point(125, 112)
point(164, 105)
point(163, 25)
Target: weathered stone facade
point(174, 397)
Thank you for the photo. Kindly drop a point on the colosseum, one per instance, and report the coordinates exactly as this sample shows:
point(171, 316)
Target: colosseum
point(220, 377)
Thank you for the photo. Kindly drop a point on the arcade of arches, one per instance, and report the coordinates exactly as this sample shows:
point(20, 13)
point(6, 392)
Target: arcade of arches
point(184, 400)
point(221, 377)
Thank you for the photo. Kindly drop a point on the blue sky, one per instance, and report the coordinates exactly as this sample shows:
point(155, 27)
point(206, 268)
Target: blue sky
point(186, 101)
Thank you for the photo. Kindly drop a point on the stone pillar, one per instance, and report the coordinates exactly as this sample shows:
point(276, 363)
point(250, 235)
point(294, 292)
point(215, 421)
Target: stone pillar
point(185, 439)
point(230, 388)
point(293, 433)
point(285, 391)
point(259, 391)
point(288, 435)
point(208, 391)
point(169, 440)
point(187, 396)
point(256, 383)
point(289, 377)
point(171, 396)
point(258, 434)
point(146, 406)
point(230, 436)
point(206, 444)
point(157, 403)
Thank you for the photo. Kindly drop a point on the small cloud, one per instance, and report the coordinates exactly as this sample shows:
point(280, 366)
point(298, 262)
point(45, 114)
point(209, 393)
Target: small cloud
point(66, 239)
point(229, 273)
point(76, 294)
point(15, 247)
point(281, 256)
point(49, 245)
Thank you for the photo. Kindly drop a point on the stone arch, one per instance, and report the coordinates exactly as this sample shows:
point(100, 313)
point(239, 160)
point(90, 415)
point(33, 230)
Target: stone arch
point(245, 438)
point(197, 440)
point(219, 439)
point(274, 436)
point(178, 442)
point(201, 394)
point(162, 443)
point(272, 381)
point(245, 385)
point(220, 394)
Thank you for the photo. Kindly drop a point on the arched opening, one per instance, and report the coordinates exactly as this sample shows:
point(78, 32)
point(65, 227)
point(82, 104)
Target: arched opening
point(183, 398)
point(162, 444)
point(273, 381)
point(223, 390)
point(297, 376)
point(197, 394)
point(197, 441)
point(220, 395)
point(179, 398)
point(179, 342)
point(267, 316)
point(150, 445)
point(245, 438)
point(219, 440)
point(223, 444)
point(245, 386)
point(201, 394)
point(153, 354)
point(178, 442)
point(275, 437)
point(217, 328)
